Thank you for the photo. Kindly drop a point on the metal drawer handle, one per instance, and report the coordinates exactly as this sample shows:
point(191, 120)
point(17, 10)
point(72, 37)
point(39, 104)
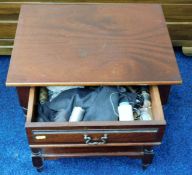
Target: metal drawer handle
point(88, 140)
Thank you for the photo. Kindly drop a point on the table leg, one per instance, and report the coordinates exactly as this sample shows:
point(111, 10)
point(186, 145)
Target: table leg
point(37, 159)
point(147, 158)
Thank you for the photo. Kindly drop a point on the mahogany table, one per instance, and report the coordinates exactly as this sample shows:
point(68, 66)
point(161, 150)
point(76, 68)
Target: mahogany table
point(92, 44)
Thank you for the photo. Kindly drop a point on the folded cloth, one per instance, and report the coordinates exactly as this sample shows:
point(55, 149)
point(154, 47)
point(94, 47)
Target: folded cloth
point(54, 91)
point(100, 104)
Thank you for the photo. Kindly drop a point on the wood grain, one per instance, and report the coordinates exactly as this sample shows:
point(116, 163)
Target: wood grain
point(9, 11)
point(92, 45)
point(180, 31)
point(7, 29)
point(156, 104)
point(185, 43)
point(6, 42)
point(178, 12)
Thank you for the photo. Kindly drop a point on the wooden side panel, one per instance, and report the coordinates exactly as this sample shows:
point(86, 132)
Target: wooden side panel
point(23, 93)
point(164, 93)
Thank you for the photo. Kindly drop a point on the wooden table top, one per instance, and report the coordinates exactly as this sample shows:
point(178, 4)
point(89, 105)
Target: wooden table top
point(92, 44)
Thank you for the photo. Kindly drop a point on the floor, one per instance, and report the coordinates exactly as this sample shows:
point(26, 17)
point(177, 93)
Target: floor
point(174, 156)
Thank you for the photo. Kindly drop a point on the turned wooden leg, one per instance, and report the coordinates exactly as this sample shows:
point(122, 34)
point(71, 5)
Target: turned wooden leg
point(187, 51)
point(37, 159)
point(147, 158)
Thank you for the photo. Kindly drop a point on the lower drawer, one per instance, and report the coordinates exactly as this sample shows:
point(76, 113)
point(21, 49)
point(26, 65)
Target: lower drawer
point(96, 133)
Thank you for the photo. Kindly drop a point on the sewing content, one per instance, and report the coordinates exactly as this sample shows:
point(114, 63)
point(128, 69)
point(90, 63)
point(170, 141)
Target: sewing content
point(101, 103)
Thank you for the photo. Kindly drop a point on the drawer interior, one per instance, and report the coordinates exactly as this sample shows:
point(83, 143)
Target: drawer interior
point(156, 107)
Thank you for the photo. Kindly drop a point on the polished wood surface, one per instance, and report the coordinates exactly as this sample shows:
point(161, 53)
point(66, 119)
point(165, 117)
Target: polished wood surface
point(116, 44)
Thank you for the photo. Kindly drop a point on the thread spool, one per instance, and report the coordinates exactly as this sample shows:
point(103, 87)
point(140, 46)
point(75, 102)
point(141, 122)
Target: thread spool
point(125, 112)
point(77, 114)
point(43, 95)
point(145, 114)
point(147, 101)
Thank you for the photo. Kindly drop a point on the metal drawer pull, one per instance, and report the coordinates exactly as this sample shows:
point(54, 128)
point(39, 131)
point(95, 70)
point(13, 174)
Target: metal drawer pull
point(88, 140)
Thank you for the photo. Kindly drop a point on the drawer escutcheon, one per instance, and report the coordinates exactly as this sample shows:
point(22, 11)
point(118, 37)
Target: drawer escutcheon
point(88, 140)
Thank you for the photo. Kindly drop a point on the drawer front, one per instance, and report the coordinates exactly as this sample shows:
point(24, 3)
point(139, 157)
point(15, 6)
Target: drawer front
point(96, 137)
point(95, 133)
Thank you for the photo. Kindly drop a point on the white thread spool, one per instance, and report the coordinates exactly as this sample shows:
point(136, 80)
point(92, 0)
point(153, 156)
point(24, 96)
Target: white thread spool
point(77, 114)
point(125, 112)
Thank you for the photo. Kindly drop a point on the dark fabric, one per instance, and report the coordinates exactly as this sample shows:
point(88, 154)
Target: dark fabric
point(95, 101)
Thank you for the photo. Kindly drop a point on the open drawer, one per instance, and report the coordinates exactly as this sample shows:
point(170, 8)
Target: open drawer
point(109, 133)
